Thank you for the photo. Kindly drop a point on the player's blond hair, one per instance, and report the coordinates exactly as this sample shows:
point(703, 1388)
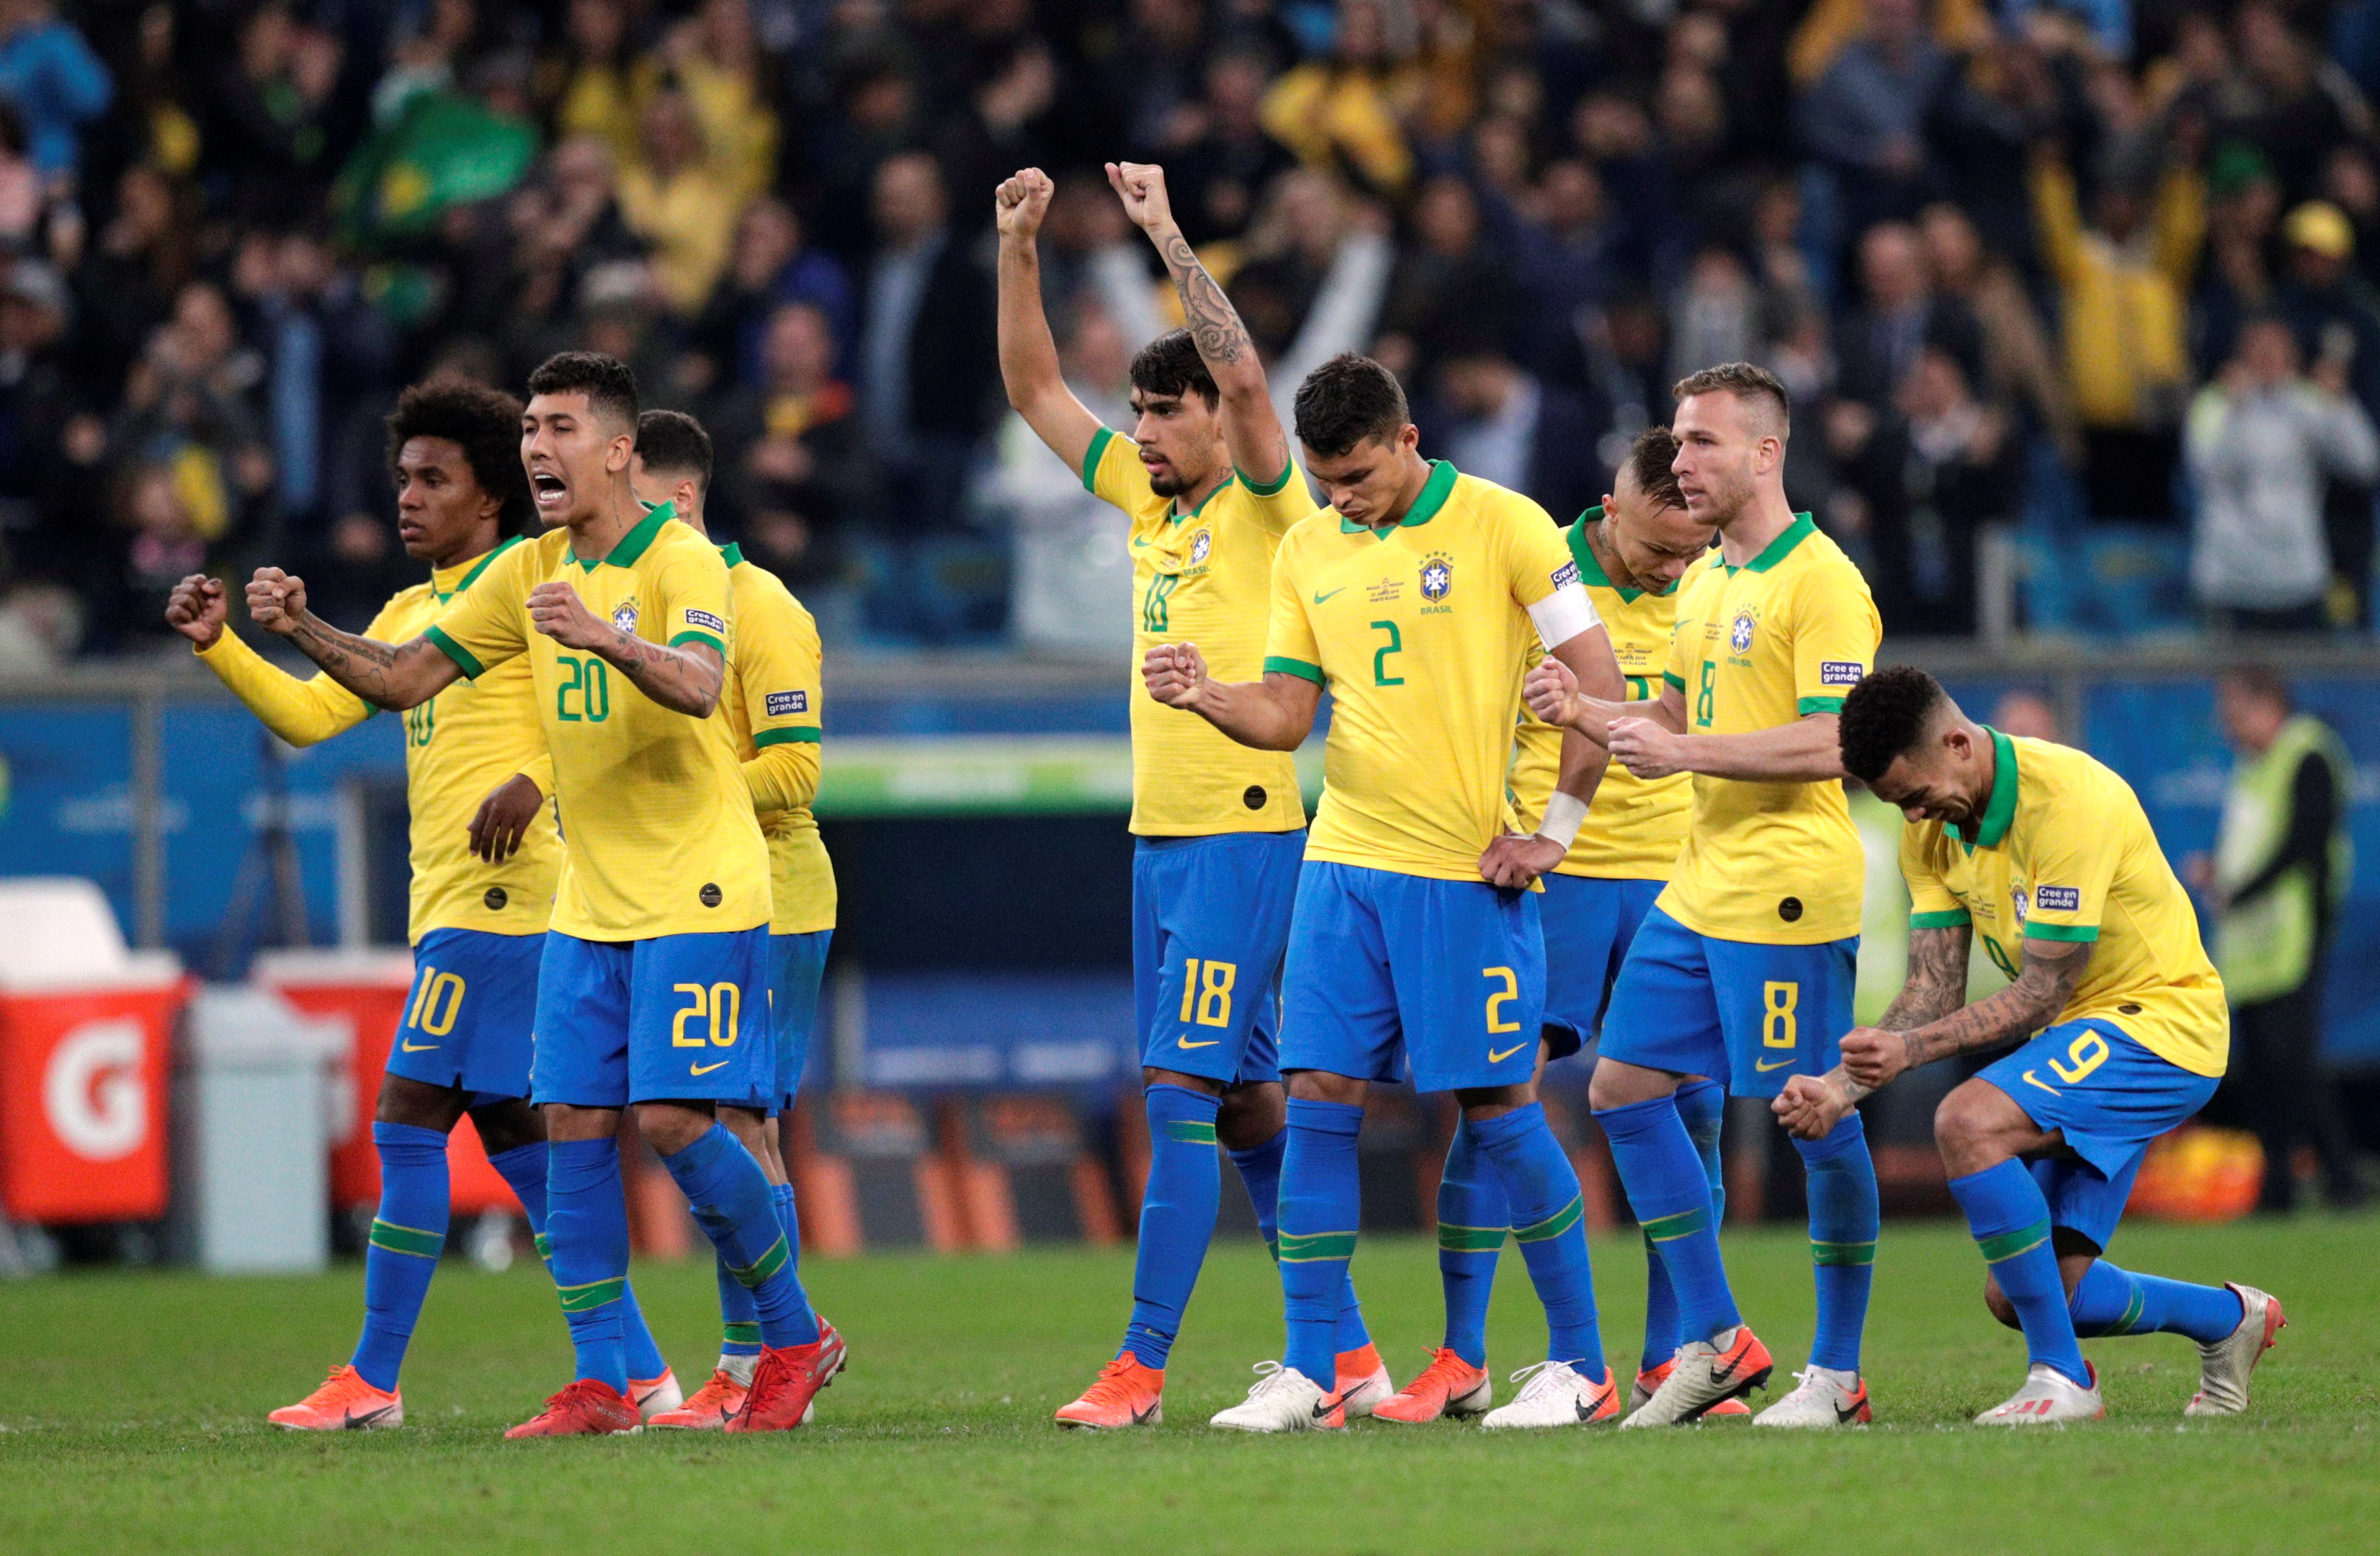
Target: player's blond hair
point(1747, 381)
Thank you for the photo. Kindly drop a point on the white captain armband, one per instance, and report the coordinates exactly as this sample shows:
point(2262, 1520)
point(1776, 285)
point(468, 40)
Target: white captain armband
point(1563, 614)
point(1564, 814)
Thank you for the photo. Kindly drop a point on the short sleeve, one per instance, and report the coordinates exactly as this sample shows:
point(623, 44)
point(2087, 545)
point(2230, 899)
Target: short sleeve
point(777, 663)
point(1537, 561)
point(1279, 505)
point(488, 624)
point(1683, 627)
point(694, 599)
point(1932, 906)
point(1835, 634)
point(1290, 645)
point(2073, 863)
point(1112, 471)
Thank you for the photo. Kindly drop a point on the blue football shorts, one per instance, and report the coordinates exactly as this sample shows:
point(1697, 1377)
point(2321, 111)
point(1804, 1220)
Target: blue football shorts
point(1748, 1015)
point(1588, 923)
point(1210, 920)
point(673, 1017)
point(470, 1013)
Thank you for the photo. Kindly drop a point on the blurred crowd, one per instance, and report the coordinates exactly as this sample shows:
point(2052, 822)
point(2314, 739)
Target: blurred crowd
point(2040, 276)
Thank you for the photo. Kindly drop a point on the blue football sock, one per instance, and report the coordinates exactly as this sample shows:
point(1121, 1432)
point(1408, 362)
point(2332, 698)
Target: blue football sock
point(1350, 1335)
point(1321, 1205)
point(1702, 1105)
point(2009, 1220)
point(729, 1195)
point(1549, 1223)
point(1261, 1170)
point(1671, 1199)
point(407, 1233)
point(586, 1234)
point(523, 1170)
point(635, 1340)
point(1177, 1217)
point(2110, 1301)
point(1842, 1239)
point(1472, 1221)
point(789, 1221)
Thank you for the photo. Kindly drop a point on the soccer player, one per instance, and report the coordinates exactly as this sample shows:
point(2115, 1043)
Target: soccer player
point(483, 874)
point(1742, 968)
point(1207, 481)
point(2048, 856)
point(656, 947)
point(772, 703)
point(1635, 554)
point(1415, 938)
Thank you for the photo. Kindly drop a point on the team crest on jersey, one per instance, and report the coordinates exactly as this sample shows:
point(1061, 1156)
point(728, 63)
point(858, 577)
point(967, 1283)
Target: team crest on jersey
point(1200, 545)
point(1738, 637)
point(624, 615)
point(1437, 576)
point(2016, 900)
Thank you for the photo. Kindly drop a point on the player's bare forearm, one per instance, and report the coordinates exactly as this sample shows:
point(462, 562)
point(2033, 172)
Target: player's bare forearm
point(1251, 427)
point(684, 680)
point(394, 677)
point(1937, 983)
point(1583, 763)
point(1805, 751)
point(1273, 714)
point(2040, 991)
point(1028, 358)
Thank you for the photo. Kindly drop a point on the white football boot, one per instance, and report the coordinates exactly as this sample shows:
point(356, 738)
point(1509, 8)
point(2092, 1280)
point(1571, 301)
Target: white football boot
point(1282, 1400)
point(1359, 1396)
point(653, 1397)
point(1700, 1375)
point(1557, 1394)
point(1826, 1397)
point(2049, 1398)
point(2223, 1368)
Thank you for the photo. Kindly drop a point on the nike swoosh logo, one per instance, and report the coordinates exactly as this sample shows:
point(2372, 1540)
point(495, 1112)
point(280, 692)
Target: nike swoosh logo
point(1140, 1417)
point(1139, 544)
point(2032, 1079)
point(1845, 1413)
point(1495, 1058)
point(1326, 1404)
point(1185, 1042)
point(1723, 1374)
point(706, 1069)
point(416, 1048)
point(1318, 598)
point(1589, 1409)
point(357, 1423)
point(1764, 1068)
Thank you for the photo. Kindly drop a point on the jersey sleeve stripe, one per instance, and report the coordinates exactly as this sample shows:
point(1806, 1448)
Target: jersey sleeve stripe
point(1091, 458)
point(2070, 933)
point(1673, 678)
point(1285, 665)
point(1262, 489)
point(705, 638)
point(1949, 918)
point(461, 656)
point(803, 735)
point(1810, 705)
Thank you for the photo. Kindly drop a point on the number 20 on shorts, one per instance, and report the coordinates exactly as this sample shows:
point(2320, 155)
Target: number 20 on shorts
point(721, 1005)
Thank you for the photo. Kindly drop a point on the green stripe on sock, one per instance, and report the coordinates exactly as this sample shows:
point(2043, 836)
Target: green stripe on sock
point(544, 1246)
point(2131, 1312)
point(1841, 1253)
point(1471, 1239)
point(1189, 1132)
point(1554, 1225)
point(593, 1294)
point(1312, 1245)
point(407, 1239)
point(760, 1269)
point(1685, 1223)
point(743, 1334)
point(2007, 1245)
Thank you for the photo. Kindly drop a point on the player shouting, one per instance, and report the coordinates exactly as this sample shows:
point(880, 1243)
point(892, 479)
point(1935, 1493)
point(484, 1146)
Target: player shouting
point(656, 948)
point(1207, 481)
point(2047, 854)
point(1743, 969)
point(771, 704)
point(1415, 598)
point(483, 874)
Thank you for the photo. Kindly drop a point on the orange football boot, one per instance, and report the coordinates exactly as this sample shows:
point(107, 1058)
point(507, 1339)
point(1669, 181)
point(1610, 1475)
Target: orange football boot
point(654, 1395)
point(1128, 1393)
point(1448, 1386)
point(710, 1408)
point(1363, 1380)
point(589, 1407)
point(788, 1380)
point(344, 1402)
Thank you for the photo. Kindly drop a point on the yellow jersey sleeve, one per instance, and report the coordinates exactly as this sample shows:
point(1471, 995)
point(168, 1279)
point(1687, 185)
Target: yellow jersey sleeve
point(301, 713)
point(1538, 562)
point(694, 599)
point(778, 661)
point(488, 624)
point(1933, 906)
point(1279, 506)
point(1291, 647)
point(1835, 634)
point(1112, 471)
point(2073, 857)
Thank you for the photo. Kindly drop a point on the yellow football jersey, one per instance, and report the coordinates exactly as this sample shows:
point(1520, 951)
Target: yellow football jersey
point(657, 832)
point(1419, 632)
point(1780, 638)
point(1200, 577)
point(772, 698)
point(458, 746)
point(1635, 826)
point(2064, 852)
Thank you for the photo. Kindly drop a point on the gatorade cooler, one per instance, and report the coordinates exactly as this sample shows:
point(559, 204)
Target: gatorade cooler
point(86, 1028)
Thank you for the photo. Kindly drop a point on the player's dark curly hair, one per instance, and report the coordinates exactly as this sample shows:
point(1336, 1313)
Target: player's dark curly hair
point(1649, 458)
point(608, 382)
point(1885, 716)
point(1170, 365)
point(671, 443)
point(485, 423)
point(1347, 400)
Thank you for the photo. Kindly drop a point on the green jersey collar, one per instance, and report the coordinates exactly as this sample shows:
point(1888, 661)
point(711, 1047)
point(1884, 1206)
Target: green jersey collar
point(1173, 514)
point(1777, 550)
point(1425, 507)
point(1590, 569)
point(2000, 809)
point(467, 580)
point(633, 544)
point(732, 554)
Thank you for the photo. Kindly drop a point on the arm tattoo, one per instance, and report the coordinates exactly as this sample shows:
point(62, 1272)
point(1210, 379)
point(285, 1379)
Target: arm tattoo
point(2022, 1008)
point(672, 677)
point(1214, 323)
point(1936, 984)
point(361, 665)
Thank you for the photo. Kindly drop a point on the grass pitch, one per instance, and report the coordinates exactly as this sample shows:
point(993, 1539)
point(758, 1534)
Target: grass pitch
point(131, 1418)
